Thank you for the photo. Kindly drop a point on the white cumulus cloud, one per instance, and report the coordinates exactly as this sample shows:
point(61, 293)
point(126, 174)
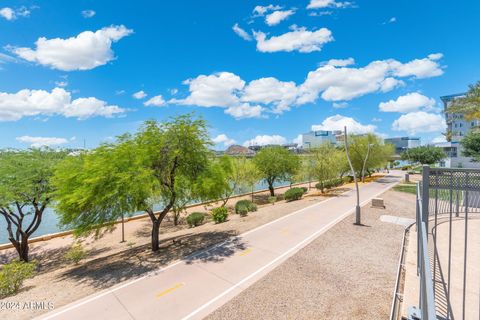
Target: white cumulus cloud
point(340, 62)
point(413, 101)
point(338, 122)
point(334, 81)
point(419, 122)
point(216, 90)
point(320, 4)
point(156, 101)
point(263, 140)
point(261, 10)
point(37, 142)
point(281, 95)
point(244, 110)
point(7, 13)
point(299, 39)
point(86, 51)
point(276, 17)
point(298, 140)
point(346, 83)
point(223, 138)
point(420, 68)
point(139, 95)
point(26, 102)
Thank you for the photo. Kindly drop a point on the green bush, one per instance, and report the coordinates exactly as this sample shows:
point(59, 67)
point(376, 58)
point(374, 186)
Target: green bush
point(13, 274)
point(293, 194)
point(249, 205)
point(242, 211)
point(305, 189)
point(75, 253)
point(219, 214)
point(272, 199)
point(328, 184)
point(195, 219)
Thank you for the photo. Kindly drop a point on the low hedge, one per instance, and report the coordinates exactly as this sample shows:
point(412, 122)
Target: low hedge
point(293, 194)
point(219, 214)
point(195, 219)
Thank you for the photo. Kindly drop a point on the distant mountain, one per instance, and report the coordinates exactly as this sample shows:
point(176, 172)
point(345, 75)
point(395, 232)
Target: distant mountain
point(237, 150)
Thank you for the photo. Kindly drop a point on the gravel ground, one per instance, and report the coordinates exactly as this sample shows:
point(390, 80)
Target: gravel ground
point(347, 273)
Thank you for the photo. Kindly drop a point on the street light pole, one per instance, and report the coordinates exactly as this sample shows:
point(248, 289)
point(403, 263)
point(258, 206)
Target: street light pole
point(357, 207)
point(365, 161)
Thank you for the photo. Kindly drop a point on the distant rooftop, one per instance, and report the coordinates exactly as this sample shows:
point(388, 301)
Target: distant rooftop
point(452, 96)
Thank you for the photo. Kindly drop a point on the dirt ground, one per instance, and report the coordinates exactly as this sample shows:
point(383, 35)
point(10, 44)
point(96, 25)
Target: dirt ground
point(110, 262)
point(347, 273)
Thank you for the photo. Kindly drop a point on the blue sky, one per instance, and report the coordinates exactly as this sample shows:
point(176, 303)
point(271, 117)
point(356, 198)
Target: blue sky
point(69, 70)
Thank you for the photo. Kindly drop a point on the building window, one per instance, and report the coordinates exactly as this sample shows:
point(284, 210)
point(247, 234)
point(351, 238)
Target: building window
point(472, 124)
point(461, 124)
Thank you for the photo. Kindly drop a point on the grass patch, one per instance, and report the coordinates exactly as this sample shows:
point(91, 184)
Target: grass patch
point(408, 188)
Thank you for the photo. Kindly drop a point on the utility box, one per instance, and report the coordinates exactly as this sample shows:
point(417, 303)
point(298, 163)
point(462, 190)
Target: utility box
point(378, 203)
point(407, 177)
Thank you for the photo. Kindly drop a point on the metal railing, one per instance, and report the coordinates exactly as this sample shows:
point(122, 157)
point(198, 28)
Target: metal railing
point(424, 271)
point(448, 249)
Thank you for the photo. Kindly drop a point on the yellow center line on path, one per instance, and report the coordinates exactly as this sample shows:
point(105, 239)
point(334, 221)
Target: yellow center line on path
point(245, 252)
point(170, 290)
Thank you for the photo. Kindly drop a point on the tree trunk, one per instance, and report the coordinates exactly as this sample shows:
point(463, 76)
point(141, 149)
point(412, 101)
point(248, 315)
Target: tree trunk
point(24, 250)
point(155, 235)
point(272, 189)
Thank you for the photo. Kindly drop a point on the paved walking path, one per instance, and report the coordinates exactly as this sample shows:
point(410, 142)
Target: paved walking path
point(197, 285)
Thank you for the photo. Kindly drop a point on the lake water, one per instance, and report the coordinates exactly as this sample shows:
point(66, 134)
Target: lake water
point(49, 222)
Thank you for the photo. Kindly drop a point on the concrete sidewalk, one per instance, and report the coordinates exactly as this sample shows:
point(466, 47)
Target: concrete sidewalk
point(194, 287)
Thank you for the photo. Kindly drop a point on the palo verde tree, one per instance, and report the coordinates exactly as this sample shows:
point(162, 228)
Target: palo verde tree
point(378, 153)
point(327, 163)
point(276, 164)
point(237, 172)
point(143, 170)
point(25, 192)
point(424, 155)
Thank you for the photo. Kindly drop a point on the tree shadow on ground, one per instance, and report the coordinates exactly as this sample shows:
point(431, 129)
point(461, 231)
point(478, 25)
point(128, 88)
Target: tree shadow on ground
point(110, 270)
point(263, 198)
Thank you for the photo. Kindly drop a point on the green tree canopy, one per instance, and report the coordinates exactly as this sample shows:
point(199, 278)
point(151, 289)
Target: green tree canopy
point(471, 145)
point(276, 164)
point(25, 192)
point(327, 163)
point(378, 155)
point(424, 155)
point(134, 173)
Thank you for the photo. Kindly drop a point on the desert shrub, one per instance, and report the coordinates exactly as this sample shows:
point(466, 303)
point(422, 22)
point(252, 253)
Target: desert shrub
point(219, 214)
point(328, 184)
point(272, 200)
point(13, 274)
point(293, 194)
point(249, 205)
point(75, 253)
point(242, 211)
point(195, 219)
